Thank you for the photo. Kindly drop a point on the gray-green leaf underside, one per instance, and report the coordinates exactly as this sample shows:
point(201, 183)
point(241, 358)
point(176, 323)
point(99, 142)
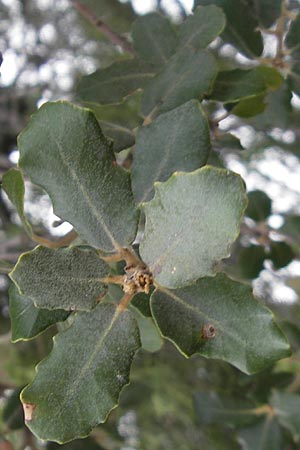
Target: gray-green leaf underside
point(176, 140)
point(67, 278)
point(243, 332)
point(191, 224)
point(79, 383)
point(64, 151)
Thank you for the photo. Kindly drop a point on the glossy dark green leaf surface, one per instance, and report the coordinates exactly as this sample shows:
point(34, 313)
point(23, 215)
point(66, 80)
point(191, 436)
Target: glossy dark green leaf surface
point(65, 278)
point(114, 83)
point(189, 74)
point(199, 29)
point(154, 38)
point(79, 383)
point(191, 224)
point(86, 186)
point(27, 321)
point(176, 140)
point(241, 26)
point(219, 318)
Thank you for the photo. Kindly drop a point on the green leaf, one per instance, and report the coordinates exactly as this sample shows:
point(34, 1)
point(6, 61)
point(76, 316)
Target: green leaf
point(114, 83)
point(64, 151)
point(141, 302)
point(265, 11)
point(265, 435)
point(150, 338)
point(250, 106)
point(228, 141)
point(278, 109)
point(241, 26)
point(177, 140)
point(27, 321)
point(259, 206)
point(79, 383)
point(292, 39)
point(66, 278)
point(189, 74)
point(251, 261)
point(286, 408)
point(154, 38)
point(213, 409)
point(118, 121)
point(13, 185)
point(191, 223)
point(238, 84)
point(199, 29)
point(281, 254)
point(219, 318)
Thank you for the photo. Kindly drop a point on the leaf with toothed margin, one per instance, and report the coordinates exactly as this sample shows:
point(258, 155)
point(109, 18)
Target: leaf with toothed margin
point(64, 151)
point(219, 318)
point(191, 223)
point(79, 383)
point(64, 278)
point(189, 74)
point(176, 140)
point(28, 321)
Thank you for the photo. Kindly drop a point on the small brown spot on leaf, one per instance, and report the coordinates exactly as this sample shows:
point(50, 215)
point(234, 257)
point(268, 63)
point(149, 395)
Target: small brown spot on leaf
point(28, 409)
point(208, 331)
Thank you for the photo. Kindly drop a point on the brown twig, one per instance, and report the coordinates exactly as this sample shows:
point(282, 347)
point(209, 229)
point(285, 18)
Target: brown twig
point(112, 35)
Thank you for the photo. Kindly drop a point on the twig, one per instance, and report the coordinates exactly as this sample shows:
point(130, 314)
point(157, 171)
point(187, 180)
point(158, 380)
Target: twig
point(114, 37)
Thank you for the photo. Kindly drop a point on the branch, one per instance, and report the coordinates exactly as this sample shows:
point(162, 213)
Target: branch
point(114, 37)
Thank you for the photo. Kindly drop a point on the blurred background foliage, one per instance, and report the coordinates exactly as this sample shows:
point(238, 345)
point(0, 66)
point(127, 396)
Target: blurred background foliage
point(172, 403)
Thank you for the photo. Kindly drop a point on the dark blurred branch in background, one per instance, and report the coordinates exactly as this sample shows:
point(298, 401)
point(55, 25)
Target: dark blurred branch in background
point(114, 37)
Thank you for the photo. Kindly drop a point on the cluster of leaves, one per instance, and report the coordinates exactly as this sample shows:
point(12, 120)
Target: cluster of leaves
point(182, 214)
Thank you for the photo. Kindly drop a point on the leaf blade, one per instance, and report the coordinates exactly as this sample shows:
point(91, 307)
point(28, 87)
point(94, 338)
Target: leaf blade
point(64, 278)
point(176, 140)
point(189, 74)
point(199, 29)
point(183, 235)
point(227, 306)
point(27, 321)
point(114, 83)
point(95, 196)
point(81, 396)
point(154, 38)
